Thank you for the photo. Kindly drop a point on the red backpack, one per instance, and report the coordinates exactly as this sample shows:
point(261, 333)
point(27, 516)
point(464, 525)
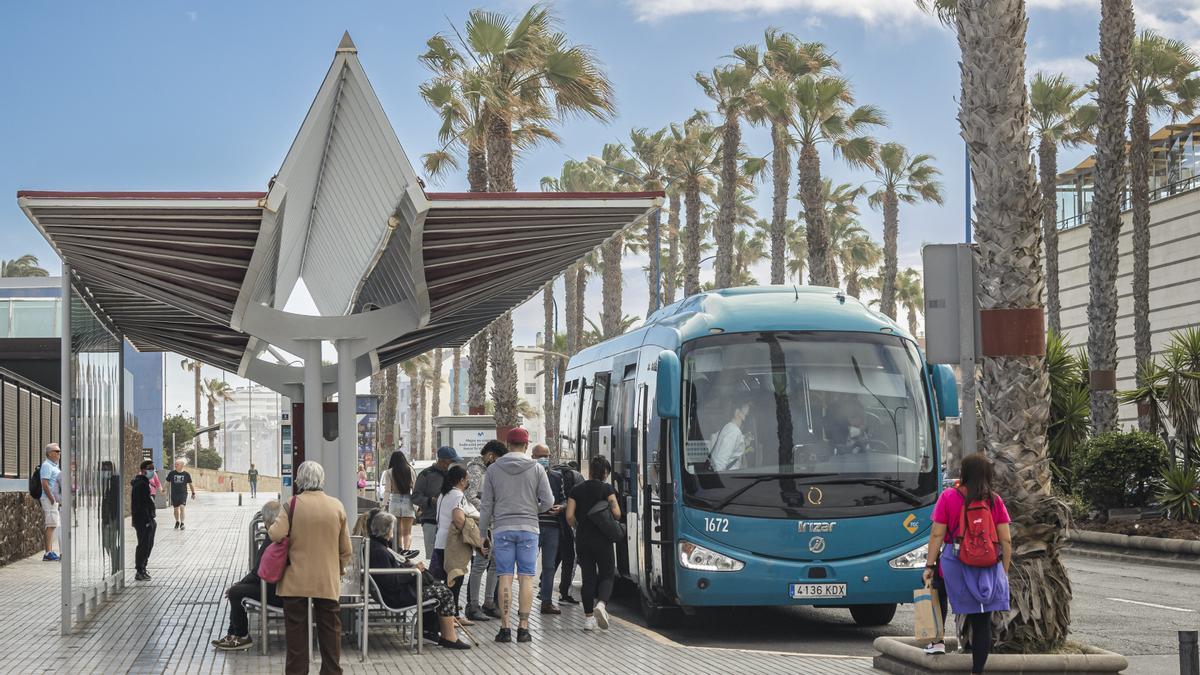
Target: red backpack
point(978, 542)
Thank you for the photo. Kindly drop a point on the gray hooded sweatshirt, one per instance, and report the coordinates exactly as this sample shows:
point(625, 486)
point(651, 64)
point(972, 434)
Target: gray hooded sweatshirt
point(515, 491)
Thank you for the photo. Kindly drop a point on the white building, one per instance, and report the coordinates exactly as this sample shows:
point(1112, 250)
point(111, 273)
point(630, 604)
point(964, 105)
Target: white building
point(250, 430)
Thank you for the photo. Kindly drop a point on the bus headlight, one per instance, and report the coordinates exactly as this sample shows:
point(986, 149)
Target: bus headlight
point(914, 559)
point(695, 557)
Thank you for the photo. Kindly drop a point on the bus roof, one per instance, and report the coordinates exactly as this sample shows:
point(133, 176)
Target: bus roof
point(750, 309)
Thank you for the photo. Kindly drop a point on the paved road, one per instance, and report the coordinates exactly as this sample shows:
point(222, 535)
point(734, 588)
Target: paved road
point(1106, 613)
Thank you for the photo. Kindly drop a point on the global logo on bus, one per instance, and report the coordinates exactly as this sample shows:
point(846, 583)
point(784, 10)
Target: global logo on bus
point(816, 545)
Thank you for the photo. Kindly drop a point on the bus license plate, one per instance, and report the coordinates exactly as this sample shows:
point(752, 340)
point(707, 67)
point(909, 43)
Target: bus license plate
point(806, 591)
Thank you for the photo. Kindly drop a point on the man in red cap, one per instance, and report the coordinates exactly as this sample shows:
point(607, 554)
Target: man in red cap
point(515, 491)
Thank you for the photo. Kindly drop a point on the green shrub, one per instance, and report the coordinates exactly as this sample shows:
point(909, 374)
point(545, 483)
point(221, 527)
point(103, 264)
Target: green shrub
point(1119, 469)
point(208, 459)
point(1178, 493)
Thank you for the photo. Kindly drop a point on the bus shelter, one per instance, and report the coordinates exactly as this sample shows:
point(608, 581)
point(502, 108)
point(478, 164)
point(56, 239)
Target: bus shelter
point(393, 270)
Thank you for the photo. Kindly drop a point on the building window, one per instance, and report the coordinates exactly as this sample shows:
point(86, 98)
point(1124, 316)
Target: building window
point(531, 388)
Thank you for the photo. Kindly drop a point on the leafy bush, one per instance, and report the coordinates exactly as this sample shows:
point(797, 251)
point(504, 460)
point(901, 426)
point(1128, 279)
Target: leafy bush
point(1178, 493)
point(1119, 469)
point(1069, 405)
point(209, 459)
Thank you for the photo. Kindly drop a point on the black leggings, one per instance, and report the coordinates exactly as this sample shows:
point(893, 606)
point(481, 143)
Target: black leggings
point(981, 639)
point(597, 560)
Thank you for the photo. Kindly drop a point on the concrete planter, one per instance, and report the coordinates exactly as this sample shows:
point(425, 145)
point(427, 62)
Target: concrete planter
point(906, 657)
point(1124, 541)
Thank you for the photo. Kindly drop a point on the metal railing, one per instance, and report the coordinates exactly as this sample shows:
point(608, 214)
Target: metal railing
point(1157, 194)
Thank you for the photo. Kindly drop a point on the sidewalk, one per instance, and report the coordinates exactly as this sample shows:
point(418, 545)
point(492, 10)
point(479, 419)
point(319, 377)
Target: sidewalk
point(165, 625)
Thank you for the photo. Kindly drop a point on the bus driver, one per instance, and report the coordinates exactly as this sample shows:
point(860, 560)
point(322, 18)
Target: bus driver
point(730, 444)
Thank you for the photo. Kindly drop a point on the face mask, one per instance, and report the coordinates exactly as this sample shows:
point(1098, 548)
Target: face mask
point(544, 461)
point(855, 432)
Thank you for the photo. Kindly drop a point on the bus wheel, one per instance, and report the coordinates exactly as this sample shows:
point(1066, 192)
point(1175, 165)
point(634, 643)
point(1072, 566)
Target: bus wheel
point(872, 615)
point(658, 617)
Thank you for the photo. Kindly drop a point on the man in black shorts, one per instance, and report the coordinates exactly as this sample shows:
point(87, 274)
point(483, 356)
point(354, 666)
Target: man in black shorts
point(180, 482)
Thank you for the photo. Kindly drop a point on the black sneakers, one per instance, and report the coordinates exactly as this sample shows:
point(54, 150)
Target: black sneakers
point(523, 635)
point(505, 635)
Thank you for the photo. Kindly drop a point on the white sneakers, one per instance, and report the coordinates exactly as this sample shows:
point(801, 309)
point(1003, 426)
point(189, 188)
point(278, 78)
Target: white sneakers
point(589, 623)
point(601, 614)
point(935, 648)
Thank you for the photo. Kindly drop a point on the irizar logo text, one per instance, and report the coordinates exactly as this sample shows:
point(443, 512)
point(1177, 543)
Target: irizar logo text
point(811, 526)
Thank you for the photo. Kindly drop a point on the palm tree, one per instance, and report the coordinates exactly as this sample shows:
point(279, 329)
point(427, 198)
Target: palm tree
point(670, 272)
point(1058, 119)
point(1014, 390)
point(1116, 43)
point(900, 178)
point(413, 369)
point(910, 295)
point(1164, 81)
point(455, 376)
point(25, 266)
point(749, 249)
point(594, 335)
point(841, 213)
point(824, 115)
point(477, 373)
point(387, 409)
point(435, 382)
point(731, 88)
point(692, 159)
point(797, 245)
point(549, 394)
point(197, 391)
point(215, 391)
point(858, 254)
point(504, 371)
point(784, 59)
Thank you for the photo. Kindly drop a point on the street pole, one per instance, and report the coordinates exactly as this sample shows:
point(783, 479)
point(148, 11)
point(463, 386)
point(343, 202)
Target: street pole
point(655, 257)
point(966, 336)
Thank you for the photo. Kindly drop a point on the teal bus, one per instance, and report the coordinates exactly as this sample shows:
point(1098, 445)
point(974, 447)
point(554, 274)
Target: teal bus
point(772, 445)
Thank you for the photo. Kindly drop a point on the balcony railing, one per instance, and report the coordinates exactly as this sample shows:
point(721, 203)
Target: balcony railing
point(1156, 195)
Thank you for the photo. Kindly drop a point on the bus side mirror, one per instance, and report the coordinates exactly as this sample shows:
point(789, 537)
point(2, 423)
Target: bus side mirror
point(945, 389)
point(667, 386)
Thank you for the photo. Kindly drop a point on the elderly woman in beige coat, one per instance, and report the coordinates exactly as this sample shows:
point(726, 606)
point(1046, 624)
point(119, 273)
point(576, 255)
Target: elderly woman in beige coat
point(319, 551)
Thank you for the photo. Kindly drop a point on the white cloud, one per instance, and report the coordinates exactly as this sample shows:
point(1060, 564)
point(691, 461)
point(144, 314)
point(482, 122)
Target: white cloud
point(1077, 68)
point(869, 11)
point(192, 15)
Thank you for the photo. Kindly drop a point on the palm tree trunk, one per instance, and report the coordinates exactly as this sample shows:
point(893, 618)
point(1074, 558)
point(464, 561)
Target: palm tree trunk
point(781, 166)
point(387, 409)
point(212, 419)
point(853, 284)
point(731, 142)
point(1014, 389)
point(1139, 194)
point(500, 153)
point(570, 280)
point(549, 390)
point(610, 290)
point(435, 406)
point(831, 261)
point(691, 242)
point(422, 400)
point(580, 303)
point(455, 378)
point(817, 229)
point(1116, 40)
point(504, 371)
point(891, 232)
point(477, 168)
point(477, 373)
point(413, 429)
point(671, 276)
point(1048, 175)
point(198, 387)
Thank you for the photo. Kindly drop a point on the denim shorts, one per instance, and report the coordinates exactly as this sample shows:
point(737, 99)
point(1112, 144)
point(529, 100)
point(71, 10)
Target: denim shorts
point(515, 549)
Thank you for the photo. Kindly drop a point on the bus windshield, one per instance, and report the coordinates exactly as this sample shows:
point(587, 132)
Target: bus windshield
point(806, 424)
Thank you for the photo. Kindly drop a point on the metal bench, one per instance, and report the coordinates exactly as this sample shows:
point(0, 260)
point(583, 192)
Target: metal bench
point(401, 615)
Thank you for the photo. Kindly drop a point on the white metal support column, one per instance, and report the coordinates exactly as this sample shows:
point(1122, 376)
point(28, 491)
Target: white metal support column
point(66, 411)
point(345, 474)
point(313, 413)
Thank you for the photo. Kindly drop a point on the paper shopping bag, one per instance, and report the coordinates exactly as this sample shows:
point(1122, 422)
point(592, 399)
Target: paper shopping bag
point(927, 615)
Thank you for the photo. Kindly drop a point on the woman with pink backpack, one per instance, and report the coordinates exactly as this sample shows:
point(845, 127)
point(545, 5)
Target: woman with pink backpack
point(972, 571)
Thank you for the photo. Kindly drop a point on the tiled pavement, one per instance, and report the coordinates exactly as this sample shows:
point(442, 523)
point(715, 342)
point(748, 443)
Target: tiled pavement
point(165, 625)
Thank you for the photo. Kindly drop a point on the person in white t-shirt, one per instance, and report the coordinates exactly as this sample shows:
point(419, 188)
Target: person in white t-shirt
point(730, 444)
point(453, 509)
point(49, 474)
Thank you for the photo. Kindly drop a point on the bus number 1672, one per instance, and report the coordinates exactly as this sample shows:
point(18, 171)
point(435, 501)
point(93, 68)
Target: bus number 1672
point(716, 524)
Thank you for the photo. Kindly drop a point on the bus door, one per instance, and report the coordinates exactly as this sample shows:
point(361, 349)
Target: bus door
point(658, 535)
point(623, 404)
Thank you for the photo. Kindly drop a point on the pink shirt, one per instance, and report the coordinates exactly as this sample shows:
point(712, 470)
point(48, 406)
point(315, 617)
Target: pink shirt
point(949, 510)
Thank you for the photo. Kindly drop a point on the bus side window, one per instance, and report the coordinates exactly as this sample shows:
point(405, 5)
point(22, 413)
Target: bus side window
point(598, 414)
point(568, 419)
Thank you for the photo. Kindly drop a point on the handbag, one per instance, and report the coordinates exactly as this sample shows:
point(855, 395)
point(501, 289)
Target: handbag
point(361, 483)
point(601, 516)
point(274, 560)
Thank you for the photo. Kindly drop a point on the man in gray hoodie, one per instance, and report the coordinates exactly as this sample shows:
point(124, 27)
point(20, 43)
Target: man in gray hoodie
point(515, 491)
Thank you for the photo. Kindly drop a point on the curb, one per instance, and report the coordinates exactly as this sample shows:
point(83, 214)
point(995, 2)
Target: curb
point(1124, 541)
point(1123, 556)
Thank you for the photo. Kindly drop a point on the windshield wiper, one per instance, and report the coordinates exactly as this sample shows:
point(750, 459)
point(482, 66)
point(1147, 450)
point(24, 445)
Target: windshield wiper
point(889, 486)
point(769, 476)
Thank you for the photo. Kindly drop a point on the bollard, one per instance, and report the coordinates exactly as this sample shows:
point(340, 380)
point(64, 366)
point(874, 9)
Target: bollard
point(1189, 656)
point(239, 499)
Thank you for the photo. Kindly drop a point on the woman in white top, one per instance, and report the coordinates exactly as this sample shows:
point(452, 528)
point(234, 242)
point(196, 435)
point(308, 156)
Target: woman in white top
point(730, 445)
point(397, 498)
point(453, 509)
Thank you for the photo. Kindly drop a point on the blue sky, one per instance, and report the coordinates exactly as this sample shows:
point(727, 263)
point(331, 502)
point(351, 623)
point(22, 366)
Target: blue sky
point(191, 95)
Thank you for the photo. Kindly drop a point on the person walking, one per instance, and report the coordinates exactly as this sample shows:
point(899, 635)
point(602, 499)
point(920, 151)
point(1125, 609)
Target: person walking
point(180, 481)
point(597, 559)
point(50, 476)
point(318, 552)
point(482, 561)
point(398, 483)
point(252, 477)
point(142, 511)
point(425, 493)
point(566, 541)
point(250, 586)
point(515, 491)
point(972, 572)
point(549, 529)
point(453, 511)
